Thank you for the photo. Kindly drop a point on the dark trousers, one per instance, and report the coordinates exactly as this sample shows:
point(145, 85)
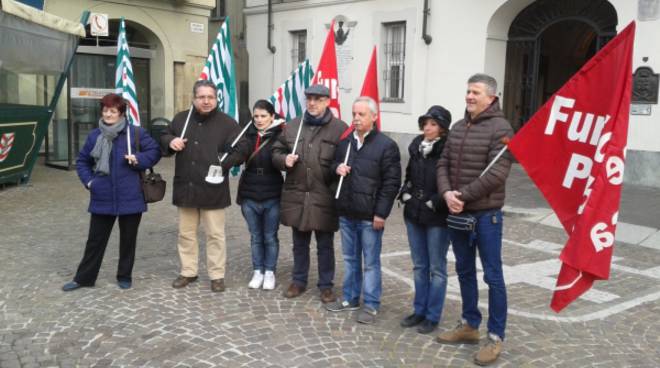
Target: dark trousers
point(100, 227)
point(325, 255)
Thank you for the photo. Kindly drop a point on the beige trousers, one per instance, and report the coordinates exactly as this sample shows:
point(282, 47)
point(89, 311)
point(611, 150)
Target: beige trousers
point(213, 222)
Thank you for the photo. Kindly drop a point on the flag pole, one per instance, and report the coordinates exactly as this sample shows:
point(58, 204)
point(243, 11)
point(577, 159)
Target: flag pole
point(236, 140)
point(214, 169)
point(302, 121)
point(128, 136)
point(341, 179)
point(185, 126)
point(499, 154)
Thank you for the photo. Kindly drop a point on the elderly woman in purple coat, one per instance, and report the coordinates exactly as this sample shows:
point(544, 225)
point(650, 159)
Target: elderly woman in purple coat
point(112, 176)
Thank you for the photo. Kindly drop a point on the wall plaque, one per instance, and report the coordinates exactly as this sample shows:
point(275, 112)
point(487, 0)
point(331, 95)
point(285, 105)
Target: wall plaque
point(645, 86)
point(344, 50)
point(640, 109)
point(648, 10)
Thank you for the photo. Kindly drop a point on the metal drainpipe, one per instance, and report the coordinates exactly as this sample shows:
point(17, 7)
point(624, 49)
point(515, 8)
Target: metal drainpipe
point(270, 26)
point(427, 39)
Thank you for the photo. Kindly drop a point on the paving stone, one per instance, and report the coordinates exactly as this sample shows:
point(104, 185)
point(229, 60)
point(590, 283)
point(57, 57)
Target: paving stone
point(153, 325)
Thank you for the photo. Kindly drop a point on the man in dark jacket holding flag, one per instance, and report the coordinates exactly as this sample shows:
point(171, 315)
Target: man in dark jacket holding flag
point(305, 150)
point(198, 144)
point(372, 176)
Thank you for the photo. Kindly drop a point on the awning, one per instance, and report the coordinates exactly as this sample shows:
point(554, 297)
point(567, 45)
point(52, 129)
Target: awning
point(34, 42)
point(40, 17)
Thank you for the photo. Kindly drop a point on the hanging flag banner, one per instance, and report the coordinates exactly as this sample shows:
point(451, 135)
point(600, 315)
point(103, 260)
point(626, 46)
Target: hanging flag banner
point(369, 89)
point(219, 69)
point(124, 79)
point(289, 98)
point(573, 149)
point(326, 73)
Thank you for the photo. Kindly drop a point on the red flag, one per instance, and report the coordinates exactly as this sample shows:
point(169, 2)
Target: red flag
point(573, 149)
point(369, 89)
point(326, 73)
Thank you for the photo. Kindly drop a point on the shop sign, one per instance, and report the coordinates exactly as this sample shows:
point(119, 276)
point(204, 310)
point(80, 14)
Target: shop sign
point(91, 93)
point(99, 25)
point(17, 140)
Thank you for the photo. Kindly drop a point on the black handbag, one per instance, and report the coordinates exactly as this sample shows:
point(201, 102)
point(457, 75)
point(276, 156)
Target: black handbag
point(461, 222)
point(153, 185)
point(465, 221)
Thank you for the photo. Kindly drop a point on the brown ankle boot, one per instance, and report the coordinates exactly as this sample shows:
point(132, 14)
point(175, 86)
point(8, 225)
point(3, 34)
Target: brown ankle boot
point(294, 290)
point(461, 334)
point(328, 296)
point(489, 353)
point(183, 281)
point(218, 286)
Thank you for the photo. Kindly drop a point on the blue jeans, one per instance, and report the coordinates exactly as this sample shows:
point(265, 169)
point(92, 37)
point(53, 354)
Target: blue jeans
point(358, 240)
point(488, 240)
point(263, 219)
point(428, 250)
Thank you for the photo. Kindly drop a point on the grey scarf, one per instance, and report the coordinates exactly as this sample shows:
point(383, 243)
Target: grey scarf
point(103, 146)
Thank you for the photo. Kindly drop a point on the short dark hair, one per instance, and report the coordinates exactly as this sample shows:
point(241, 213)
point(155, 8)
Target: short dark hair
point(113, 100)
point(490, 82)
point(204, 83)
point(264, 105)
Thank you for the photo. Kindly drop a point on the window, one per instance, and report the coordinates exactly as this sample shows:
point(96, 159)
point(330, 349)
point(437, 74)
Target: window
point(220, 10)
point(394, 67)
point(298, 47)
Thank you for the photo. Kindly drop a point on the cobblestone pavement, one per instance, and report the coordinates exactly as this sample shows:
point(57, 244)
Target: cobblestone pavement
point(44, 226)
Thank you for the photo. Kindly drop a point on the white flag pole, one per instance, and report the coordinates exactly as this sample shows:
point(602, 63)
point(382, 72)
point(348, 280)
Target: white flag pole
point(236, 140)
point(499, 154)
point(341, 179)
point(128, 128)
point(185, 126)
point(128, 136)
point(215, 175)
point(295, 144)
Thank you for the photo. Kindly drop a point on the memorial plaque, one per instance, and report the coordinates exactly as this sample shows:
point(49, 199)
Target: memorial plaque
point(344, 49)
point(645, 86)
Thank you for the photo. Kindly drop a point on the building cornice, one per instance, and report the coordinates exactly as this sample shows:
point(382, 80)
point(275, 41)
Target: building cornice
point(184, 7)
point(297, 5)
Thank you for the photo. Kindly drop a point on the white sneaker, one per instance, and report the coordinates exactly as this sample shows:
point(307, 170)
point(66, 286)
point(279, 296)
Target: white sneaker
point(269, 280)
point(257, 280)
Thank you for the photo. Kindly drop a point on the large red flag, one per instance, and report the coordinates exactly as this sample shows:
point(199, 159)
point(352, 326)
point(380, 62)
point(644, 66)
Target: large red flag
point(573, 149)
point(369, 89)
point(326, 73)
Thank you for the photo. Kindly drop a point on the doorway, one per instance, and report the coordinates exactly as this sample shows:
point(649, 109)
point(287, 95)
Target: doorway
point(548, 42)
point(91, 77)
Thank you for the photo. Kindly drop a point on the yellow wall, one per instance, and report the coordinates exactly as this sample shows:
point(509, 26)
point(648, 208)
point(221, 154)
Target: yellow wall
point(175, 42)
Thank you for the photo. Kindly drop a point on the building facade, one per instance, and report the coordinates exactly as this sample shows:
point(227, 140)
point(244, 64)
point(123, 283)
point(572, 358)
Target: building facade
point(168, 42)
point(428, 48)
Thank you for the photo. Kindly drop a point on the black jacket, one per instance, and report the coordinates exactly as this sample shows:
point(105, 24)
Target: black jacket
point(260, 179)
point(371, 187)
point(208, 136)
point(421, 184)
